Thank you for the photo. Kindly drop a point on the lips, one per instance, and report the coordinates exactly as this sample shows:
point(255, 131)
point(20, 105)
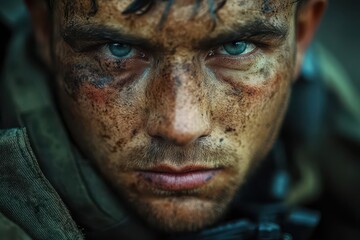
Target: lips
point(174, 179)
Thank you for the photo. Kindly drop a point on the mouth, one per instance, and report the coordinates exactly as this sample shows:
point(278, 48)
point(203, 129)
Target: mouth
point(177, 179)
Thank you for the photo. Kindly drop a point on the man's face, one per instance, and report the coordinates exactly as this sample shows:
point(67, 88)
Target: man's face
point(175, 117)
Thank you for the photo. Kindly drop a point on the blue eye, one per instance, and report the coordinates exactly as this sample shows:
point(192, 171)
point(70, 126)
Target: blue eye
point(120, 50)
point(238, 48)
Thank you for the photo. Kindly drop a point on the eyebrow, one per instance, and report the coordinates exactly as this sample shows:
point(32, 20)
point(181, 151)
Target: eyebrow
point(83, 37)
point(256, 30)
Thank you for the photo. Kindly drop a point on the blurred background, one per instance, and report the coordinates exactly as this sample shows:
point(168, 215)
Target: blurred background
point(339, 32)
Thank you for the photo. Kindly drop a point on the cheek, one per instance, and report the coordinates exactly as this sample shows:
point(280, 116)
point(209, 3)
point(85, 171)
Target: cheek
point(105, 119)
point(250, 107)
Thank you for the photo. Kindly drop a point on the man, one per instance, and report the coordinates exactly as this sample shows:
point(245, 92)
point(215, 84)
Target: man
point(174, 104)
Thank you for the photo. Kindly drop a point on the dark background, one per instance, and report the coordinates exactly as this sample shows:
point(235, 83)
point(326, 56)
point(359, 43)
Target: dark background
point(340, 33)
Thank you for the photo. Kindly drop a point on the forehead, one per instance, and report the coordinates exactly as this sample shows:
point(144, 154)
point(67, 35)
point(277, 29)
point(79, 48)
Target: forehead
point(181, 19)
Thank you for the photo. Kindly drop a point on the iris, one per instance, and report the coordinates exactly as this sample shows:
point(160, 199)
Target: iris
point(236, 48)
point(120, 50)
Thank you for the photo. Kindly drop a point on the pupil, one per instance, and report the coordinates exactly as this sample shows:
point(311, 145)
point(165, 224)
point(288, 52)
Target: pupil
point(235, 48)
point(119, 50)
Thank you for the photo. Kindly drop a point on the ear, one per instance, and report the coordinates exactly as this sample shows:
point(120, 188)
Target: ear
point(308, 19)
point(40, 16)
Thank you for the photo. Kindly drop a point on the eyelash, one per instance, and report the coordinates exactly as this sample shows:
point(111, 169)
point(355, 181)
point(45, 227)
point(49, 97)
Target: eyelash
point(214, 53)
point(217, 51)
point(134, 52)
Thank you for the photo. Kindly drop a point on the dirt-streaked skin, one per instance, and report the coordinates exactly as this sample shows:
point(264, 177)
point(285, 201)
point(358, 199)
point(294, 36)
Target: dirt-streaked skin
point(177, 104)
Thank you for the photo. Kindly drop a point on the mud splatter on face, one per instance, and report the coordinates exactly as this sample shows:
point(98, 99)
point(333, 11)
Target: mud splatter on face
point(166, 98)
point(78, 74)
point(266, 7)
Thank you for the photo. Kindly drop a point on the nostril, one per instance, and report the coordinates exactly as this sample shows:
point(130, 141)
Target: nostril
point(158, 138)
point(203, 136)
point(155, 134)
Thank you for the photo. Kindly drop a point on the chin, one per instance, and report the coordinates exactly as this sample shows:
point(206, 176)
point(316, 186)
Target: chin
point(180, 214)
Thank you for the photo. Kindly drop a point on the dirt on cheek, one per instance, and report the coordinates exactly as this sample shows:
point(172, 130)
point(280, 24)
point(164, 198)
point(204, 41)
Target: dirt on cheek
point(96, 95)
point(253, 106)
point(76, 75)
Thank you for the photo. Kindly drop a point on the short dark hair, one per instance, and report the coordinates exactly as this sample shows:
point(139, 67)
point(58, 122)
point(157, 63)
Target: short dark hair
point(140, 7)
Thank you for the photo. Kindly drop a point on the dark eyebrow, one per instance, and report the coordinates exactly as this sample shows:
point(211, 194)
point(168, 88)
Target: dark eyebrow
point(257, 30)
point(82, 37)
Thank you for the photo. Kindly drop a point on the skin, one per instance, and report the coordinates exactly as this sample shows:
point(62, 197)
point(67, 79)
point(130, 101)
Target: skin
point(175, 103)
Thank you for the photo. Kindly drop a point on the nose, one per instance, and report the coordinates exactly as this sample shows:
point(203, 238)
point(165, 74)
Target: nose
point(178, 106)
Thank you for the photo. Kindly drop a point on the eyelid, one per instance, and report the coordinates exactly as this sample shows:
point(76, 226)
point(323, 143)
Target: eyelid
point(217, 51)
point(248, 45)
point(135, 52)
point(260, 41)
point(88, 46)
point(105, 49)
